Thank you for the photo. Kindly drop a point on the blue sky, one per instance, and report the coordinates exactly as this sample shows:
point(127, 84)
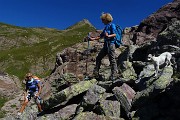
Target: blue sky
point(61, 14)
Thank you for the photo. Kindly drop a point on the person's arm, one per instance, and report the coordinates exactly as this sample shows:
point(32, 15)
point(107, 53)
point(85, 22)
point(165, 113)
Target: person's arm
point(94, 38)
point(110, 36)
point(39, 89)
point(98, 37)
point(25, 92)
point(113, 32)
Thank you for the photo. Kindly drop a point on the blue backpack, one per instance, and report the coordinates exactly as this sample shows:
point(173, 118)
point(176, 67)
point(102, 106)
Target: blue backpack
point(118, 39)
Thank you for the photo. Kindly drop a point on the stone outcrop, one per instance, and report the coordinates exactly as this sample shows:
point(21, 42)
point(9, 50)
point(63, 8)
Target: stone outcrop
point(155, 23)
point(71, 93)
point(125, 94)
point(9, 85)
point(68, 93)
point(92, 116)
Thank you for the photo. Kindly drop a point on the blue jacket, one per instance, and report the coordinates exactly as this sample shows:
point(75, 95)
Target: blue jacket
point(110, 29)
point(32, 85)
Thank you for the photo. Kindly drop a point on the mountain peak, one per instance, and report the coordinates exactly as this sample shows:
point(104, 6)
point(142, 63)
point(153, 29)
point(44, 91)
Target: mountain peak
point(86, 21)
point(80, 23)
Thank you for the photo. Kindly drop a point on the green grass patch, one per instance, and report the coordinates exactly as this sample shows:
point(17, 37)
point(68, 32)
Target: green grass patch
point(13, 106)
point(34, 48)
point(3, 100)
point(2, 114)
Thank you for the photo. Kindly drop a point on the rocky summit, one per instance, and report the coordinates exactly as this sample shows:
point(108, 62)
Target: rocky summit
point(71, 92)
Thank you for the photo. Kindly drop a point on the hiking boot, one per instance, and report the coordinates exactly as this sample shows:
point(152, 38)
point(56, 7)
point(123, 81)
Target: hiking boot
point(40, 113)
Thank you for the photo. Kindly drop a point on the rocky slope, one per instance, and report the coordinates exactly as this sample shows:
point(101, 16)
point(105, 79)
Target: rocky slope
point(71, 93)
point(149, 28)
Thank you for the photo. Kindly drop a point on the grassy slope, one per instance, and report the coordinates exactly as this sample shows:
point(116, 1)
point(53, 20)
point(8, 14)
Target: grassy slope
point(2, 102)
point(35, 48)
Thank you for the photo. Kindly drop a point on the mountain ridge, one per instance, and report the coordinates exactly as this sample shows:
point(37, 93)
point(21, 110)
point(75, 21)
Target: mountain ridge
point(23, 45)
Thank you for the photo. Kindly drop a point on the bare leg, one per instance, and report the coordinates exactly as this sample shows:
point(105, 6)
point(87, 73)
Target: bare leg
point(24, 105)
point(156, 70)
point(39, 107)
point(169, 63)
point(38, 102)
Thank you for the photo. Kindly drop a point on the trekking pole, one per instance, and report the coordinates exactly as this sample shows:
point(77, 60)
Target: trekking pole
point(76, 63)
point(88, 41)
point(86, 77)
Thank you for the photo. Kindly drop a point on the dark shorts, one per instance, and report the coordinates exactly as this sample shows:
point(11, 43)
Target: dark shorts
point(33, 95)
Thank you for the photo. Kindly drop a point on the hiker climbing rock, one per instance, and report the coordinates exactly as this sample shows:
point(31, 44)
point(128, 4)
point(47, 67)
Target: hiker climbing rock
point(33, 89)
point(109, 45)
point(58, 62)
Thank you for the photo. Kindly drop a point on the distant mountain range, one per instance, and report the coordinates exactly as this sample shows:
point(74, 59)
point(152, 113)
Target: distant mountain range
point(33, 49)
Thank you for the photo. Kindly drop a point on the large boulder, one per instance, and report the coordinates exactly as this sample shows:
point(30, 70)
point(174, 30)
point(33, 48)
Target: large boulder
point(93, 116)
point(125, 95)
point(68, 93)
point(110, 108)
point(67, 112)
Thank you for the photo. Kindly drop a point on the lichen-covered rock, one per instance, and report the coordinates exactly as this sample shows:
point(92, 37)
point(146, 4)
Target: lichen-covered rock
point(68, 93)
point(125, 95)
point(129, 72)
point(93, 116)
point(91, 98)
point(110, 108)
point(66, 112)
point(94, 94)
point(154, 86)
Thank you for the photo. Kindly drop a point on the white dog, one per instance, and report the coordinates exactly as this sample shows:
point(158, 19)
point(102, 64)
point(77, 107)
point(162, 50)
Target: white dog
point(161, 59)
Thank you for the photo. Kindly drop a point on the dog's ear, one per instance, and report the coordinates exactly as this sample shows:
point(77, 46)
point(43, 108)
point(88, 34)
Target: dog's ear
point(154, 55)
point(149, 57)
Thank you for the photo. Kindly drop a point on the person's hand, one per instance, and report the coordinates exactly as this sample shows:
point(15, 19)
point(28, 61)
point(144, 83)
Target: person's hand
point(24, 93)
point(92, 38)
point(37, 95)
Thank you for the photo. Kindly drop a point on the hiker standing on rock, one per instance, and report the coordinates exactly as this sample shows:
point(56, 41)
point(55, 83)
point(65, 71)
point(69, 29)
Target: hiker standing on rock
point(58, 63)
point(109, 46)
point(33, 89)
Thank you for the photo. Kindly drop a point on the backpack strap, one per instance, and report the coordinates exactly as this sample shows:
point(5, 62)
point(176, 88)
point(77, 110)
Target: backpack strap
point(111, 30)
